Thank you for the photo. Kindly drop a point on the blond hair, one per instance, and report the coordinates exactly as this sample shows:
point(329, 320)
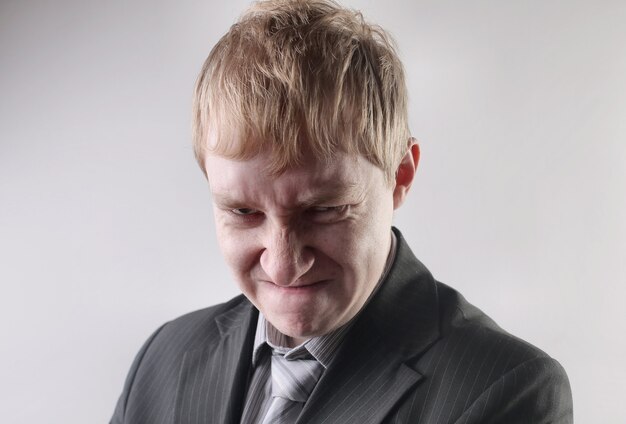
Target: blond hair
point(298, 77)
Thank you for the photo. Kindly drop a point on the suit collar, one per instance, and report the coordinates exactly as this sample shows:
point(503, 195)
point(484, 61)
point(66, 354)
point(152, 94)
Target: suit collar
point(372, 370)
point(405, 312)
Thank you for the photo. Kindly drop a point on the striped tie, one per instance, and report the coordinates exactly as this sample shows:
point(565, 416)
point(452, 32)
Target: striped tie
point(292, 382)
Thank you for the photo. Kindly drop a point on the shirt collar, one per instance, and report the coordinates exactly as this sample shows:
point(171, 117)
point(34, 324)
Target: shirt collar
point(323, 347)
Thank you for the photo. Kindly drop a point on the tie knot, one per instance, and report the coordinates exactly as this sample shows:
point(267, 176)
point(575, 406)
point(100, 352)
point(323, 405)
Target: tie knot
point(294, 379)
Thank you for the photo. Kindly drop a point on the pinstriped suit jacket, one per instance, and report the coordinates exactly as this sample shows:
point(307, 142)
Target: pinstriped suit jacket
point(418, 353)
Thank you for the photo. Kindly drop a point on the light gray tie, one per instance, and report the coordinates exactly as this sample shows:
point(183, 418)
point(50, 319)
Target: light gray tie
point(292, 383)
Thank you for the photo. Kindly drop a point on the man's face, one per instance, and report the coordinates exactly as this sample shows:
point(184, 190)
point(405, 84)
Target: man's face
point(308, 246)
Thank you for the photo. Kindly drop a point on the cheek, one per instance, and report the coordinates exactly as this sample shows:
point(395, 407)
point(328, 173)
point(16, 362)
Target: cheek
point(359, 247)
point(347, 245)
point(238, 249)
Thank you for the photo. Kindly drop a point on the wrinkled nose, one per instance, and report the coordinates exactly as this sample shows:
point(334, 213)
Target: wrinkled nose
point(285, 258)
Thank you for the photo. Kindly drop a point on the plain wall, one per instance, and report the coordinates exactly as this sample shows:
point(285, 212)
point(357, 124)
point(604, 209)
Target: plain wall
point(105, 220)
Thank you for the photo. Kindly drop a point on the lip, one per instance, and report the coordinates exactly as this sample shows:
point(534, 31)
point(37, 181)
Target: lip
point(302, 288)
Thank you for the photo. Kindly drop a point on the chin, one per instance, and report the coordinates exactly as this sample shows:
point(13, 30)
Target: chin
point(301, 328)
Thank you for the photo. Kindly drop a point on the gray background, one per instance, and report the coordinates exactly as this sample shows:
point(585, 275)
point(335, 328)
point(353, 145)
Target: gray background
point(105, 221)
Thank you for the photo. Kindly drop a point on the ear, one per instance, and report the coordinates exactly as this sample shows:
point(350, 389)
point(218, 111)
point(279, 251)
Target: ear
point(405, 173)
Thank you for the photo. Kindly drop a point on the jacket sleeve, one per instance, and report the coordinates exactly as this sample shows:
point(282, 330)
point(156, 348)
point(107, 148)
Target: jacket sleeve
point(536, 391)
point(120, 408)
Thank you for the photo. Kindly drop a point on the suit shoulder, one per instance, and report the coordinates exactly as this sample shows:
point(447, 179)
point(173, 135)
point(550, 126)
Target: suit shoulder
point(154, 375)
point(459, 319)
point(493, 371)
point(207, 314)
point(198, 326)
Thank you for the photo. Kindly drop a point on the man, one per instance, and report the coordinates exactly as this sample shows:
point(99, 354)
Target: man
point(301, 129)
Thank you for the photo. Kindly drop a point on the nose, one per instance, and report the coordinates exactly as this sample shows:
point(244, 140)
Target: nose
point(285, 258)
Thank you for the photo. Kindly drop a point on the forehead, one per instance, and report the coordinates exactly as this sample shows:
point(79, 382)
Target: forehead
point(238, 179)
point(276, 152)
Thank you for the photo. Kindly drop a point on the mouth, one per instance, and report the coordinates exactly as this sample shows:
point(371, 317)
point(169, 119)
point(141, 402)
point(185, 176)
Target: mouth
point(300, 288)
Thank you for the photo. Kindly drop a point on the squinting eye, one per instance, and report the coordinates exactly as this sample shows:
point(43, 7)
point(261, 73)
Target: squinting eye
point(327, 214)
point(322, 209)
point(244, 211)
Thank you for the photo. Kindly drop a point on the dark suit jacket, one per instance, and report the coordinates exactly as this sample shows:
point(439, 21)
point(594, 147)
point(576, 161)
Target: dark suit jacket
point(418, 353)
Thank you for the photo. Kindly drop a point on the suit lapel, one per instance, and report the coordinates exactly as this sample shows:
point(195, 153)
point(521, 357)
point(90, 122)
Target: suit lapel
point(370, 373)
point(360, 388)
point(213, 378)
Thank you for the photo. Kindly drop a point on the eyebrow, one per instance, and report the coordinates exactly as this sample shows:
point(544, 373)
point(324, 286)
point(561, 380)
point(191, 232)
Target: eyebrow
point(329, 194)
point(333, 195)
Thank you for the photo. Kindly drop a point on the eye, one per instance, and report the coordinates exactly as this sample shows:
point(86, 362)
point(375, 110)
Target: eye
point(244, 211)
point(327, 214)
point(322, 209)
